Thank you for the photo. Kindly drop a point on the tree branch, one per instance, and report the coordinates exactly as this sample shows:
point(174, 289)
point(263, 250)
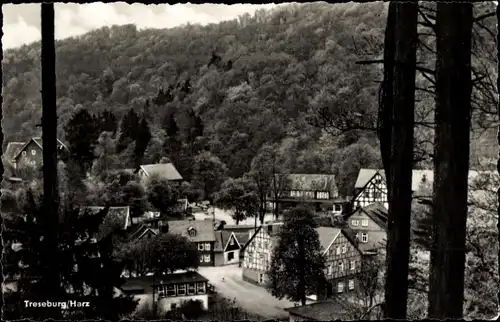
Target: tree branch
point(482, 17)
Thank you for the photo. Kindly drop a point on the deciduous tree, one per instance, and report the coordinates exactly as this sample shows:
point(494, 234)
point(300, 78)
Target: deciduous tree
point(451, 158)
point(240, 196)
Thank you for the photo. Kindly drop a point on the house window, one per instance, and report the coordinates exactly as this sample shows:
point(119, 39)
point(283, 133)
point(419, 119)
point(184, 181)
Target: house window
point(33, 152)
point(191, 289)
point(344, 249)
point(161, 291)
point(207, 246)
point(337, 208)
point(341, 266)
point(353, 265)
point(351, 285)
point(201, 259)
point(181, 289)
point(355, 222)
point(338, 250)
point(200, 287)
point(323, 195)
point(207, 258)
point(231, 242)
point(364, 237)
point(330, 270)
point(364, 222)
point(200, 246)
point(340, 287)
point(261, 278)
point(170, 290)
point(23, 153)
point(230, 256)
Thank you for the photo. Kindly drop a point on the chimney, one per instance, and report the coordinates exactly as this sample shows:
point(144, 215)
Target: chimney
point(163, 228)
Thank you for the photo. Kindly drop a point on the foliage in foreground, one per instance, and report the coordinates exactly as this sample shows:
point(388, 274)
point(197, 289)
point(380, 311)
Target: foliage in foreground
point(297, 263)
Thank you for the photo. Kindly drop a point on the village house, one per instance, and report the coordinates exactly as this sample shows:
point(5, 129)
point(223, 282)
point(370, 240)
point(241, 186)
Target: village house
point(257, 253)
point(343, 259)
point(21, 154)
point(369, 223)
point(168, 291)
point(227, 246)
point(165, 171)
point(371, 186)
point(143, 232)
point(200, 232)
point(317, 190)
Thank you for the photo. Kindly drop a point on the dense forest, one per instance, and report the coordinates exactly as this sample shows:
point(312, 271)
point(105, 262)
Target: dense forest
point(287, 78)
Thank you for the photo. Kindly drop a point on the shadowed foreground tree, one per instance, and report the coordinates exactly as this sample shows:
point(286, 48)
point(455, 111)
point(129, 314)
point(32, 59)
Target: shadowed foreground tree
point(498, 141)
point(50, 222)
point(451, 158)
point(297, 263)
point(400, 157)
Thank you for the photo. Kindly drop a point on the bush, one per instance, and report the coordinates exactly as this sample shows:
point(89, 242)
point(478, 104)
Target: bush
point(192, 309)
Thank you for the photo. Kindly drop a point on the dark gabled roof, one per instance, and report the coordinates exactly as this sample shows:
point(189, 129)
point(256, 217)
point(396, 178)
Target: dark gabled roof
point(163, 170)
point(12, 149)
point(38, 141)
point(221, 239)
point(204, 229)
point(242, 237)
point(375, 211)
point(143, 284)
point(140, 230)
point(118, 218)
point(313, 182)
point(378, 213)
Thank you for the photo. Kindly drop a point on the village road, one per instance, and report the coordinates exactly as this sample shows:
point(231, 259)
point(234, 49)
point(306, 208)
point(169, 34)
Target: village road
point(252, 298)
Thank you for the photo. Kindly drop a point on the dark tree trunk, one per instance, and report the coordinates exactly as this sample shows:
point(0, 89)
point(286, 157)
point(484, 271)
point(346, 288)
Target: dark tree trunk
point(301, 289)
point(498, 139)
point(49, 136)
point(451, 158)
point(401, 158)
point(385, 99)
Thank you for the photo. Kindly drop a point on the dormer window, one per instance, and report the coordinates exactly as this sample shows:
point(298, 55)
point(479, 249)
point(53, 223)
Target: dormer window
point(33, 152)
point(191, 232)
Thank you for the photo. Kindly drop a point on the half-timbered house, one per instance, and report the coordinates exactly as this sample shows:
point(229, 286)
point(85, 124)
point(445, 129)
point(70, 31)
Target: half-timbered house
point(370, 188)
point(343, 259)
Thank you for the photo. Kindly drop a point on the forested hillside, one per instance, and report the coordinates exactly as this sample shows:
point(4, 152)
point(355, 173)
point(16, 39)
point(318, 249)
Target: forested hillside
point(229, 88)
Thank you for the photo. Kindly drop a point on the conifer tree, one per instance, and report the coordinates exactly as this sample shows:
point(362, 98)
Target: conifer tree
point(297, 263)
point(107, 122)
point(82, 146)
